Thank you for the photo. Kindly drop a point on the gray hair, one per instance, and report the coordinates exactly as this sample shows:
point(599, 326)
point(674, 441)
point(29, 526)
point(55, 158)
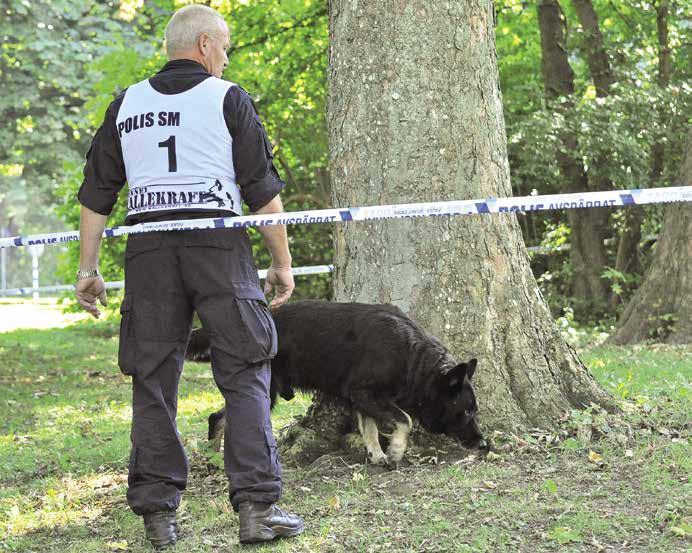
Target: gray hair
point(187, 24)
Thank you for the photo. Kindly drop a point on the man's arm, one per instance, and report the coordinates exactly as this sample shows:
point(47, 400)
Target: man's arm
point(279, 275)
point(91, 227)
point(104, 177)
point(259, 185)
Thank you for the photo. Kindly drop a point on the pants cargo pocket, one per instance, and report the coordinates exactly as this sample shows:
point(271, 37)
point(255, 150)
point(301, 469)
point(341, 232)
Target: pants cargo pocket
point(260, 341)
point(127, 344)
point(274, 465)
point(132, 465)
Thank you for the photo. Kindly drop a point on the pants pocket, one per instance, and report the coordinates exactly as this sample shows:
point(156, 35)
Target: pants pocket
point(259, 328)
point(274, 464)
point(127, 344)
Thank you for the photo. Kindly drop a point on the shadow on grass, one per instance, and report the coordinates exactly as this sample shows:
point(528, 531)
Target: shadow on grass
point(65, 407)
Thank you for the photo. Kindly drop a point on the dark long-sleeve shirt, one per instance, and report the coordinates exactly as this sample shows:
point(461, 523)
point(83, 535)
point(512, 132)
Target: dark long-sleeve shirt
point(104, 172)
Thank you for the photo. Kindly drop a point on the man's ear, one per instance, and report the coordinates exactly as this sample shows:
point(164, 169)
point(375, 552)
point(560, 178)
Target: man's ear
point(203, 43)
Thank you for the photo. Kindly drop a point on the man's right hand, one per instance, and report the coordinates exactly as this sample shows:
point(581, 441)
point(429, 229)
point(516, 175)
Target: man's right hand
point(88, 291)
point(281, 280)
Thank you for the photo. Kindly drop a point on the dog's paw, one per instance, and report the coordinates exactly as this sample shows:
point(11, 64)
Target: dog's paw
point(379, 459)
point(393, 464)
point(395, 454)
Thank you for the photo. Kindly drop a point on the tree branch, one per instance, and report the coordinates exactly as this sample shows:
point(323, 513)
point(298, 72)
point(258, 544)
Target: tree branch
point(304, 22)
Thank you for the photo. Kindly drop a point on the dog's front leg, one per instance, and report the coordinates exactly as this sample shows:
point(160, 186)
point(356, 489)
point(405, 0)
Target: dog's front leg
point(370, 433)
point(399, 439)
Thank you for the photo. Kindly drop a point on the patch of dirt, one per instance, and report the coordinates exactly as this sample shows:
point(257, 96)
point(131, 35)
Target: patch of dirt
point(527, 498)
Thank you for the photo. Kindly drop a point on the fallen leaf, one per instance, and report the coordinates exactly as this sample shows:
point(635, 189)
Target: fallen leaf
point(117, 545)
point(595, 458)
point(334, 503)
point(678, 531)
point(629, 453)
point(489, 484)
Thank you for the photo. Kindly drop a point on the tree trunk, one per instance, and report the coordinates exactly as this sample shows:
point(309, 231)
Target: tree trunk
point(588, 226)
point(665, 70)
point(628, 260)
point(603, 78)
point(662, 307)
point(596, 54)
point(589, 290)
point(400, 134)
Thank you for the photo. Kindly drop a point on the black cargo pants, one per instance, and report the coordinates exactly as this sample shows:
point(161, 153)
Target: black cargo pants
point(168, 275)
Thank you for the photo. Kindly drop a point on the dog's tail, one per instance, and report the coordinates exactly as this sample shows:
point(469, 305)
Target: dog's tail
point(198, 346)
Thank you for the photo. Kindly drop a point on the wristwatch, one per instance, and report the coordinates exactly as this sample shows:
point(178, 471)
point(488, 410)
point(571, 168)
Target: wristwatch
point(91, 273)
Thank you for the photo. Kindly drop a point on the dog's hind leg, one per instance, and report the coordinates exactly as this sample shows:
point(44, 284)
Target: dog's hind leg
point(217, 426)
point(399, 439)
point(368, 429)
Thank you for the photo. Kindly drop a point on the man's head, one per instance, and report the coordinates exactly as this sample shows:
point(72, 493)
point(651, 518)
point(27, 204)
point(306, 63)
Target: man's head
point(198, 33)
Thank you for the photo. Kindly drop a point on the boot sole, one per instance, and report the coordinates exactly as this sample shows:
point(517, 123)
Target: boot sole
point(273, 533)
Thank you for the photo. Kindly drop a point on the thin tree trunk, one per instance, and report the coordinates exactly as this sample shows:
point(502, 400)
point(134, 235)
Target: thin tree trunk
point(398, 135)
point(596, 53)
point(665, 70)
point(589, 227)
point(661, 309)
point(603, 78)
point(628, 260)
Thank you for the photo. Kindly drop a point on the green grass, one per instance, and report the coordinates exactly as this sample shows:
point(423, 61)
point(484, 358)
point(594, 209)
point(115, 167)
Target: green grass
point(602, 481)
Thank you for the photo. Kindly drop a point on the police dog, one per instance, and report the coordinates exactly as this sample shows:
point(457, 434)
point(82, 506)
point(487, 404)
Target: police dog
point(376, 360)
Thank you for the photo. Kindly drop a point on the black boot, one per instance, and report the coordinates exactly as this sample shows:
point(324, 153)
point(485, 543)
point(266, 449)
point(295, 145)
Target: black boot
point(264, 522)
point(161, 528)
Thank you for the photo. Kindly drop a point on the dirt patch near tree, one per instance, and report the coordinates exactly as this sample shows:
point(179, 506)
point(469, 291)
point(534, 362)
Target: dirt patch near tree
point(536, 492)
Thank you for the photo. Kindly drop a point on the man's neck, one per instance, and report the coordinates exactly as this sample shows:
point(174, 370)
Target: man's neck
point(188, 57)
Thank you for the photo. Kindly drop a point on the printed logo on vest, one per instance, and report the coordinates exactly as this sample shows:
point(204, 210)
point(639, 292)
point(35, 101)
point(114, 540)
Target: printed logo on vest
point(203, 194)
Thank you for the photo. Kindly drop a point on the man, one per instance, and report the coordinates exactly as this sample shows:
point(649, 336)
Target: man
point(191, 145)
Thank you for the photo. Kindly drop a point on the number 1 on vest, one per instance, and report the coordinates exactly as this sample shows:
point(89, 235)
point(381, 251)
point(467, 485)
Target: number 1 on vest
point(172, 161)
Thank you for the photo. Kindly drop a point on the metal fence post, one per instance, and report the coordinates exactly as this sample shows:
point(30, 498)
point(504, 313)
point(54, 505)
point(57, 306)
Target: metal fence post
point(36, 252)
point(3, 262)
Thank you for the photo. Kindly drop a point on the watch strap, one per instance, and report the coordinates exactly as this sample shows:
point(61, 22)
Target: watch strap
point(90, 273)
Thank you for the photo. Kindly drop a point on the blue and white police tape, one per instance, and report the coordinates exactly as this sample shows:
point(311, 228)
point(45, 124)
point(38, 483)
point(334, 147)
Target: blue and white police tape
point(397, 211)
point(51, 289)
point(118, 284)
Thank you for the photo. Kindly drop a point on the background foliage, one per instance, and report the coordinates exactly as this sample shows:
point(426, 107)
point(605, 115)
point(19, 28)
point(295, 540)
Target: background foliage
point(62, 62)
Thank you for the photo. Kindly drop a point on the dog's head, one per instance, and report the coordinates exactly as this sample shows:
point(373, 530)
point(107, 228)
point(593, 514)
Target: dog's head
point(453, 411)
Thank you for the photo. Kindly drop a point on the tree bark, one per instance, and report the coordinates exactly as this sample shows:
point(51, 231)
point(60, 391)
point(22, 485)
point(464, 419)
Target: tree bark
point(589, 227)
point(400, 134)
point(661, 309)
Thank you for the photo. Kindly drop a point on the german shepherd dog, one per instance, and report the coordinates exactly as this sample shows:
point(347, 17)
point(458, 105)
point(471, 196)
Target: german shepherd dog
point(376, 360)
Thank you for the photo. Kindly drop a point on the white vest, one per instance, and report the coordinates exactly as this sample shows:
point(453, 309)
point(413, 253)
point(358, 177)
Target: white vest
point(177, 150)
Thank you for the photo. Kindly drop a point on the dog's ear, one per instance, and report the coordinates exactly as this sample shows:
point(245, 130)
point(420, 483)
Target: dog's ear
point(471, 368)
point(454, 379)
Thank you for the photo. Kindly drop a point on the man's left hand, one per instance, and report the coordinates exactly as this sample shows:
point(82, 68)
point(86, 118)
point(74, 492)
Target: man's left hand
point(281, 280)
point(88, 291)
